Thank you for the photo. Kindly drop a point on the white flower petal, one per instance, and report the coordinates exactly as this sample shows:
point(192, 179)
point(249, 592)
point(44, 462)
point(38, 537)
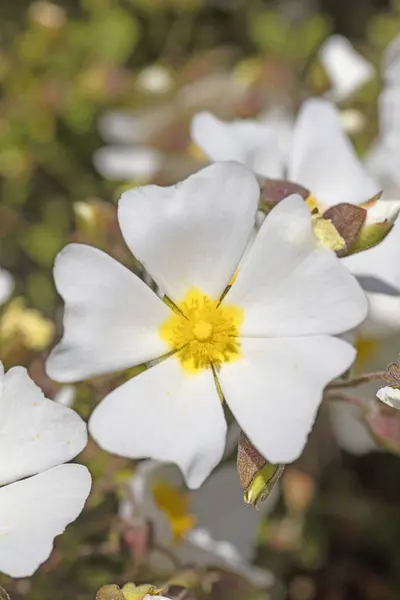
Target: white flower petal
point(35, 433)
point(66, 395)
point(111, 317)
point(323, 159)
point(390, 396)
point(290, 285)
point(275, 390)
point(346, 68)
point(389, 108)
point(192, 234)
point(120, 162)
point(165, 414)
point(258, 145)
point(34, 511)
point(383, 319)
point(6, 286)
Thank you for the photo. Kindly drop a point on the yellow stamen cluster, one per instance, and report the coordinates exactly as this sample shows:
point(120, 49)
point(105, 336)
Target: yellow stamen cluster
point(203, 332)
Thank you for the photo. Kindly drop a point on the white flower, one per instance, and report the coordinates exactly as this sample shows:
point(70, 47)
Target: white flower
point(390, 396)
point(6, 286)
point(262, 145)
point(276, 321)
point(37, 436)
point(347, 70)
point(209, 526)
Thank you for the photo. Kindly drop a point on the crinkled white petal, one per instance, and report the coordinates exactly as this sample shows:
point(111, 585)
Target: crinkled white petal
point(165, 414)
point(6, 285)
point(290, 285)
point(120, 162)
point(274, 391)
point(346, 68)
point(192, 234)
point(261, 146)
point(111, 317)
point(324, 160)
point(35, 433)
point(34, 511)
point(350, 432)
point(390, 396)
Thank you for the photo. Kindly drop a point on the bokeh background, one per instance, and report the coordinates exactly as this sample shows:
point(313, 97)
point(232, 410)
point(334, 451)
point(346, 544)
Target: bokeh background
point(70, 73)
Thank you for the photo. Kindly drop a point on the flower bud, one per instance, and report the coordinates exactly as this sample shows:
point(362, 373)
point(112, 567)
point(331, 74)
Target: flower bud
point(256, 475)
point(390, 396)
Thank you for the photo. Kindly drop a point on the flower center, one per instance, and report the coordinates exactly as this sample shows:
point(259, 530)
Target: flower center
point(203, 332)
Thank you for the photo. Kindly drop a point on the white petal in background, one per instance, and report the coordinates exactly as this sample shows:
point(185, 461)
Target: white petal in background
point(350, 432)
point(275, 390)
point(6, 286)
point(35, 433)
point(131, 163)
point(111, 317)
point(192, 234)
point(225, 533)
point(167, 415)
point(347, 70)
point(391, 62)
point(260, 145)
point(289, 285)
point(324, 160)
point(34, 511)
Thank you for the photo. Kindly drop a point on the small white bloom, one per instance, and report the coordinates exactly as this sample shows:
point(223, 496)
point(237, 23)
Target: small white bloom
point(155, 79)
point(383, 210)
point(347, 70)
point(288, 300)
point(37, 436)
point(390, 396)
point(6, 286)
point(209, 526)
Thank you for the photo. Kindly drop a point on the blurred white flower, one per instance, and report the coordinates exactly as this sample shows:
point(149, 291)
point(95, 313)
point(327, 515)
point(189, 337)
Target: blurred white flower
point(347, 70)
point(155, 79)
point(6, 286)
point(37, 436)
point(390, 396)
point(262, 145)
point(119, 162)
point(209, 526)
point(253, 335)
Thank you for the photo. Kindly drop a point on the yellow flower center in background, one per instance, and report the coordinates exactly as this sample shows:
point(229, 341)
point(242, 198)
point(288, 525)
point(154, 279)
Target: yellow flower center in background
point(203, 332)
point(175, 505)
point(366, 348)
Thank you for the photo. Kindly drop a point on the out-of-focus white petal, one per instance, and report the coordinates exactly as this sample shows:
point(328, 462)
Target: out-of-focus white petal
point(274, 391)
point(66, 395)
point(290, 285)
point(34, 511)
point(111, 317)
point(346, 68)
point(6, 286)
point(193, 234)
point(165, 414)
point(391, 62)
point(324, 160)
point(35, 433)
point(260, 145)
point(134, 127)
point(350, 432)
point(120, 162)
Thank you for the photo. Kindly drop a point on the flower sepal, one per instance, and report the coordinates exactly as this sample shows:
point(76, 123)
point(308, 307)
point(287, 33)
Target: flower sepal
point(256, 475)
